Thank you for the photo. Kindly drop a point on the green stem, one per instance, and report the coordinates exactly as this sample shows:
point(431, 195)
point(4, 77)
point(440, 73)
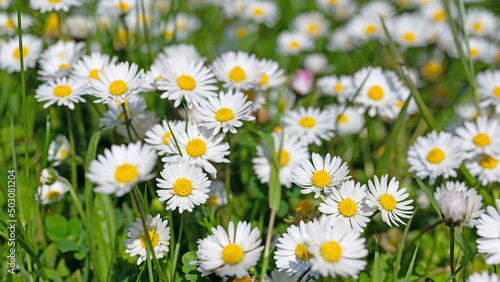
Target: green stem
point(47, 140)
point(72, 149)
point(127, 122)
point(23, 89)
point(452, 251)
point(74, 196)
point(268, 243)
point(173, 135)
point(177, 248)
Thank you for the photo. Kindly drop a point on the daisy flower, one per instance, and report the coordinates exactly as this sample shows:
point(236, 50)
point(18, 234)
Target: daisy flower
point(153, 76)
point(121, 168)
point(58, 150)
point(337, 250)
point(272, 75)
point(159, 136)
point(217, 197)
point(483, 277)
point(115, 7)
point(8, 23)
point(389, 200)
point(291, 253)
point(237, 70)
point(341, 87)
point(312, 24)
point(183, 186)
point(349, 120)
point(364, 28)
point(258, 98)
point(342, 40)
point(51, 193)
point(435, 12)
point(459, 205)
point(230, 253)
point(292, 43)
point(328, 5)
point(89, 66)
point(480, 22)
point(488, 231)
point(312, 125)
point(466, 112)
point(59, 58)
point(489, 89)
point(265, 12)
point(226, 112)
point(63, 92)
point(409, 30)
point(485, 168)
point(158, 232)
point(117, 83)
point(320, 176)
point(189, 80)
point(481, 136)
point(48, 176)
point(52, 5)
point(199, 146)
point(378, 9)
point(279, 276)
point(115, 115)
point(437, 154)
point(185, 24)
point(11, 54)
point(348, 203)
point(141, 123)
point(481, 50)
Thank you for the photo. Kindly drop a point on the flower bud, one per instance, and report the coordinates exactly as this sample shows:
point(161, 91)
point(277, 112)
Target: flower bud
point(48, 176)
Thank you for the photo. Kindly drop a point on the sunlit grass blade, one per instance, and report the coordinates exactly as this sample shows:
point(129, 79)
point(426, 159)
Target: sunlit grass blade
point(397, 261)
point(410, 267)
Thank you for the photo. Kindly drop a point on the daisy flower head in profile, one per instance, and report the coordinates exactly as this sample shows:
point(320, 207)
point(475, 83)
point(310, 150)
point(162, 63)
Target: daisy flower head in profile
point(226, 112)
point(265, 12)
point(160, 136)
point(312, 24)
point(349, 120)
point(459, 205)
point(53, 5)
point(320, 176)
point(199, 146)
point(258, 98)
point(279, 276)
point(311, 125)
point(48, 176)
point(483, 277)
point(237, 70)
point(89, 66)
point(153, 76)
point(485, 168)
point(291, 43)
point(11, 54)
point(341, 87)
point(232, 252)
point(481, 136)
point(389, 200)
point(182, 186)
point(436, 154)
point(348, 203)
point(158, 232)
point(49, 193)
point(272, 75)
point(188, 80)
point(117, 82)
point(58, 150)
point(121, 167)
point(489, 89)
point(336, 249)
point(291, 253)
point(488, 230)
point(293, 152)
point(115, 115)
point(217, 197)
point(63, 92)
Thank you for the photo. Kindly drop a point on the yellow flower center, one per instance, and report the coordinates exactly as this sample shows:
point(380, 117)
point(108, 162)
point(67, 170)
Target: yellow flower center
point(212, 201)
point(370, 29)
point(167, 136)
point(301, 252)
point(294, 44)
point(496, 91)
point(307, 122)
point(321, 179)
point(159, 77)
point(237, 74)
point(186, 82)
point(489, 162)
point(241, 32)
point(342, 118)
point(64, 66)
point(433, 69)
point(62, 91)
point(285, 157)
point(196, 148)
point(333, 1)
point(244, 279)
point(126, 173)
point(63, 154)
point(482, 139)
point(52, 195)
point(52, 24)
point(17, 53)
point(313, 28)
point(388, 202)
point(232, 253)
point(54, 1)
point(331, 251)
point(277, 129)
point(258, 11)
point(338, 87)
point(409, 36)
point(264, 79)
point(121, 116)
point(94, 74)
point(117, 87)
point(153, 236)
point(224, 114)
point(439, 16)
point(435, 156)
point(473, 52)
point(348, 207)
point(376, 92)
point(122, 6)
point(303, 207)
point(168, 34)
point(10, 24)
point(478, 26)
point(183, 187)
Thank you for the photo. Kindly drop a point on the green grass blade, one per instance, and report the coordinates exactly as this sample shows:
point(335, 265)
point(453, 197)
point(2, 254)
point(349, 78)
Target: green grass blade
point(412, 263)
point(464, 264)
point(431, 198)
point(399, 255)
point(376, 262)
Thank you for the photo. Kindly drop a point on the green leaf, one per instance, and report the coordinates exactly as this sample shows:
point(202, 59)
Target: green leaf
point(401, 247)
point(62, 269)
point(412, 263)
point(376, 262)
point(464, 244)
point(57, 227)
point(104, 231)
point(187, 258)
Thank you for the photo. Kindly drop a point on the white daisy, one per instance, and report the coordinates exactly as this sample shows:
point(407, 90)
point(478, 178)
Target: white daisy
point(48, 176)
point(341, 87)
point(337, 250)
point(378, 8)
point(217, 197)
point(481, 22)
point(293, 153)
point(141, 124)
point(121, 168)
point(437, 154)
point(59, 58)
point(199, 146)
point(237, 70)
point(89, 66)
point(485, 168)
point(489, 88)
point(63, 91)
point(8, 23)
point(467, 111)
point(11, 54)
point(483, 277)
point(226, 112)
point(115, 115)
point(279, 276)
point(117, 83)
point(185, 24)
point(348, 203)
point(459, 205)
point(257, 97)
point(481, 50)
point(409, 30)
point(230, 253)
point(51, 193)
point(316, 63)
point(389, 200)
point(153, 76)
point(312, 24)
point(488, 231)
point(481, 136)
point(320, 176)
point(159, 136)
point(311, 125)
point(364, 28)
point(115, 7)
point(158, 232)
point(187, 51)
point(189, 80)
point(272, 76)
point(344, 9)
point(266, 12)
point(53, 5)
point(183, 186)
point(58, 150)
point(79, 26)
point(292, 43)
point(349, 120)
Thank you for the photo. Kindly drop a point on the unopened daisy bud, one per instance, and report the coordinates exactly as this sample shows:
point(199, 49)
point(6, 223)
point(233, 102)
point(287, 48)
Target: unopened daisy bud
point(453, 205)
point(48, 176)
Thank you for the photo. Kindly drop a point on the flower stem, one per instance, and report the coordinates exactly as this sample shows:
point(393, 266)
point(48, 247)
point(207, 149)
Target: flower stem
point(304, 274)
point(268, 243)
point(72, 149)
point(127, 122)
point(452, 251)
